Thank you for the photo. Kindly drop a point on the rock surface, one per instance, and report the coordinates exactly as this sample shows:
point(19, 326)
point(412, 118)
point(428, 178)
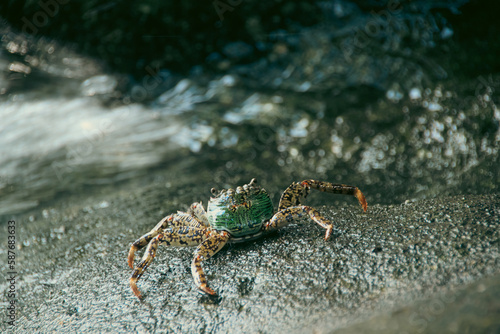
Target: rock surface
point(422, 266)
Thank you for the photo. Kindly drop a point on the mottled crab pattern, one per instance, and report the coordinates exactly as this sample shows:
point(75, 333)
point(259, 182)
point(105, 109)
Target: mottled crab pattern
point(233, 215)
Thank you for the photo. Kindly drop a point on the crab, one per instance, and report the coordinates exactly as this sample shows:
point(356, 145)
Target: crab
point(232, 215)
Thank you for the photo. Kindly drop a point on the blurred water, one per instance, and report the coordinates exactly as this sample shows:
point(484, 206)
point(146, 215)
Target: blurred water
point(68, 125)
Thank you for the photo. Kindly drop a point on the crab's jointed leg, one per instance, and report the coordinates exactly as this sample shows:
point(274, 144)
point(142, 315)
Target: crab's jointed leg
point(294, 194)
point(294, 213)
point(290, 207)
point(176, 236)
point(207, 249)
point(173, 220)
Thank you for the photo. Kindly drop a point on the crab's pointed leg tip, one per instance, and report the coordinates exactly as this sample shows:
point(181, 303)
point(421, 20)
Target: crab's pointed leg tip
point(207, 290)
point(130, 258)
point(328, 233)
point(133, 285)
point(362, 200)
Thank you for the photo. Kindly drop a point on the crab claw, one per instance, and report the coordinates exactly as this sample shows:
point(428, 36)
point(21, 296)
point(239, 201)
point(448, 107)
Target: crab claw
point(130, 258)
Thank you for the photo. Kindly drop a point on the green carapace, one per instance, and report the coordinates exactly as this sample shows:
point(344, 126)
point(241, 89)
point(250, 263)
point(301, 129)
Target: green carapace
point(240, 212)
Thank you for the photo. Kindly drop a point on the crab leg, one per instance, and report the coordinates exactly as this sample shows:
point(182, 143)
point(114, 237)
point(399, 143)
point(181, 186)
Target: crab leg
point(294, 194)
point(177, 236)
point(173, 220)
point(291, 214)
point(207, 249)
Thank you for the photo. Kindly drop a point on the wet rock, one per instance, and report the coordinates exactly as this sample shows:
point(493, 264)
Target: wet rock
point(429, 265)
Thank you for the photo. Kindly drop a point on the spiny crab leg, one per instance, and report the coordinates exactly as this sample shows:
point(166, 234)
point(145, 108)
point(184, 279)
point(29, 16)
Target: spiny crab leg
point(294, 213)
point(194, 218)
point(177, 236)
point(298, 191)
point(207, 249)
point(131, 255)
point(337, 189)
point(290, 207)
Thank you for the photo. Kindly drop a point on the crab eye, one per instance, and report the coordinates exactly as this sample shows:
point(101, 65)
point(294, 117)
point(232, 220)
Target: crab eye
point(213, 191)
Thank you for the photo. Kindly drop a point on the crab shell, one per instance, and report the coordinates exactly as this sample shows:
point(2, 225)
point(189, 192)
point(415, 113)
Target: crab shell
point(240, 212)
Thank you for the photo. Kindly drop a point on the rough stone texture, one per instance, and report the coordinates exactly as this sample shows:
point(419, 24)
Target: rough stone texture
point(422, 266)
